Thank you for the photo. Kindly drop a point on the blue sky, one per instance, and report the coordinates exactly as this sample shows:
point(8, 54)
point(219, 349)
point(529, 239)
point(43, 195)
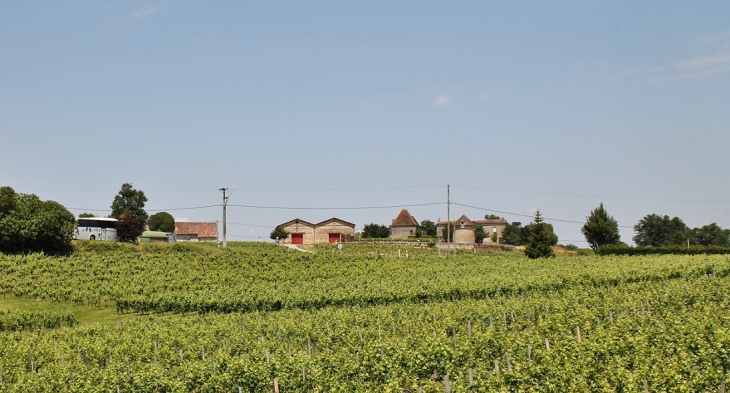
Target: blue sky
point(556, 106)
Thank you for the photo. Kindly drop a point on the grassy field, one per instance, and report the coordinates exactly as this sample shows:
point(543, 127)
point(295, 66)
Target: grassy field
point(197, 318)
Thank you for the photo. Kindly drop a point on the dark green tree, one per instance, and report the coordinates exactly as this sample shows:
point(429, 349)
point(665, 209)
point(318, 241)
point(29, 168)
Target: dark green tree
point(529, 227)
point(479, 234)
point(600, 229)
point(541, 239)
point(162, 221)
point(373, 230)
point(710, 235)
point(130, 203)
point(8, 200)
point(28, 224)
point(278, 233)
point(514, 234)
point(428, 228)
point(445, 235)
point(128, 229)
point(86, 215)
point(658, 231)
point(492, 217)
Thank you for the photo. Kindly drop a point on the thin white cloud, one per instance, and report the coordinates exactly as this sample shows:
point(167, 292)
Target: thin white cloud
point(690, 68)
point(703, 62)
point(442, 100)
point(144, 12)
point(698, 66)
point(720, 36)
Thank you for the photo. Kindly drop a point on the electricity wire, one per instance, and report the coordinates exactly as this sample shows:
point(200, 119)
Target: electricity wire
point(337, 208)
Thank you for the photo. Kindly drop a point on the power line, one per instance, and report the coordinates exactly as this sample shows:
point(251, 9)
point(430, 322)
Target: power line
point(151, 210)
point(338, 208)
point(245, 237)
point(526, 215)
point(595, 195)
point(242, 188)
point(249, 225)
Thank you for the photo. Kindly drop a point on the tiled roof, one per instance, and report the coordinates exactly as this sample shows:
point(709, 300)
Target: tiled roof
point(499, 221)
point(404, 219)
point(457, 222)
point(319, 224)
point(465, 221)
point(296, 221)
point(202, 229)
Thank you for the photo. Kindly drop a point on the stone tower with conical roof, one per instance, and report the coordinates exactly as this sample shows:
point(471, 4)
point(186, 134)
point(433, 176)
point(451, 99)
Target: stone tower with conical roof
point(403, 226)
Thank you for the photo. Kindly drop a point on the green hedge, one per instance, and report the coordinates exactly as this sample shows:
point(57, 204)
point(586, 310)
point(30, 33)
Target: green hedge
point(676, 249)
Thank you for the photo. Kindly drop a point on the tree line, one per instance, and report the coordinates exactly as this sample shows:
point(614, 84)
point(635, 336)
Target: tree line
point(29, 224)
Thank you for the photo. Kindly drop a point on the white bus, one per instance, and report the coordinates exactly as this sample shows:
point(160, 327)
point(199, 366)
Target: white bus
point(96, 228)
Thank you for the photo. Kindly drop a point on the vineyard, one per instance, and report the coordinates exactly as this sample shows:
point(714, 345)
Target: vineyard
point(202, 319)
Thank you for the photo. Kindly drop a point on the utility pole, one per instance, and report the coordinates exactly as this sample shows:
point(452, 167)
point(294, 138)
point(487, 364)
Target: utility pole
point(225, 200)
point(448, 220)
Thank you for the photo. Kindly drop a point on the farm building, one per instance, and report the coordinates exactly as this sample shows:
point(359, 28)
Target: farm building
point(464, 229)
point(196, 231)
point(403, 226)
point(333, 230)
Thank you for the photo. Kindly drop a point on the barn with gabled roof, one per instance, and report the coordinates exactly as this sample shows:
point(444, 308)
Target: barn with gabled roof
point(332, 230)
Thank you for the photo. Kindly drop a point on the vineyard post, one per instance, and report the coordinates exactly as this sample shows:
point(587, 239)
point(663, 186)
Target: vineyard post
point(507, 361)
point(276, 385)
point(529, 352)
point(30, 357)
point(420, 389)
point(447, 384)
point(722, 384)
point(1, 375)
point(496, 366)
point(471, 377)
point(547, 344)
point(240, 390)
point(646, 386)
point(577, 332)
point(468, 327)
point(267, 356)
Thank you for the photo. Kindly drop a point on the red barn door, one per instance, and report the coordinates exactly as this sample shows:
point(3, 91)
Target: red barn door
point(334, 237)
point(297, 238)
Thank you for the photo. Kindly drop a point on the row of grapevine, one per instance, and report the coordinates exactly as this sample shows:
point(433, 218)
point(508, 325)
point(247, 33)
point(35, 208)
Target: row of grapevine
point(274, 279)
point(29, 320)
point(672, 332)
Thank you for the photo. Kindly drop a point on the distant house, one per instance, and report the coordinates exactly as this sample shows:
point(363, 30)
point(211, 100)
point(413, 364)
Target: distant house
point(196, 231)
point(403, 226)
point(333, 230)
point(464, 229)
